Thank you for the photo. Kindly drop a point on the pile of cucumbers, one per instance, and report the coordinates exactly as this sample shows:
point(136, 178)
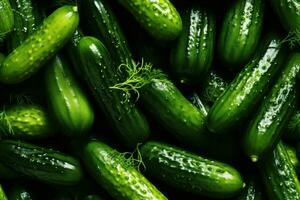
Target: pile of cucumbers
point(149, 99)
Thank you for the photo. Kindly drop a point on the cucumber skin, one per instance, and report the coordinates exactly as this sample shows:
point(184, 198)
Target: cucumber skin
point(189, 172)
point(193, 53)
point(122, 181)
point(241, 32)
point(39, 163)
point(251, 192)
point(160, 18)
point(6, 18)
point(2, 194)
point(39, 47)
point(166, 103)
point(99, 74)
point(67, 100)
point(265, 129)
point(280, 178)
point(247, 89)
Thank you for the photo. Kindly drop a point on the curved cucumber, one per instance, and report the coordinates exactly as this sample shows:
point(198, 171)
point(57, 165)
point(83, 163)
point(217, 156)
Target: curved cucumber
point(39, 163)
point(112, 171)
point(6, 18)
point(241, 31)
point(265, 129)
point(190, 172)
point(160, 18)
point(39, 47)
point(193, 54)
point(247, 89)
point(67, 100)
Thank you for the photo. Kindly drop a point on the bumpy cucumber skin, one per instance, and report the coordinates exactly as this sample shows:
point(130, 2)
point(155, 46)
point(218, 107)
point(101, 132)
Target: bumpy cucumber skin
point(190, 172)
point(241, 32)
point(2, 194)
point(101, 22)
point(246, 90)
point(39, 163)
point(99, 74)
point(288, 12)
point(165, 102)
point(39, 47)
point(291, 151)
point(6, 18)
point(28, 122)
point(160, 18)
point(279, 176)
point(26, 20)
point(110, 170)
point(251, 192)
point(265, 129)
point(193, 54)
point(67, 100)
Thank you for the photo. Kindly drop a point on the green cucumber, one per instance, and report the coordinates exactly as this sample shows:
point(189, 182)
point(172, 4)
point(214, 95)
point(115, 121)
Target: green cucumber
point(160, 18)
point(26, 20)
point(241, 32)
point(193, 53)
point(40, 46)
point(28, 122)
point(6, 18)
point(265, 129)
point(112, 171)
point(189, 172)
point(40, 163)
point(248, 88)
point(293, 128)
point(19, 192)
point(2, 57)
point(7, 174)
point(99, 74)
point(67, 100)
point(291, 151)
point(252, 191)
point(101, 22)
point(2, 194)
point(280, 178)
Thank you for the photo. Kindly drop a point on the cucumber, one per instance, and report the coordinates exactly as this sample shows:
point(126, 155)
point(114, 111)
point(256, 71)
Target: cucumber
point(293, 128)
point(266, 127)
point(112, 171)
point(6, 18)
point(99, 74)
point(2, 57)
point(26, 20)
point(37, 49)
point(160, 18)
point(67, 100)
point(101, 22)
point(7, 174)
point(280, 178)
point(192, 55)
point(40, 163)
point(247, 89)
point(28, 122)
point(252, 191)
point(19, 192)
point(2, 194)
point(291, 151)
point(241, 32)
point(189, 172)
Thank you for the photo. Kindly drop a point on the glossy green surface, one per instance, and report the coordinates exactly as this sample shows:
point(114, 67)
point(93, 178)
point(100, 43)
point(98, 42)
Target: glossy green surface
point(241, 32)
point(2, 194)
point(252, 191)
point(160, 18)
point(278, 173)
point(6, 18)
point(265, 129)
point(112, 171)
point(67, 100)
point(39, 163)
point(189, 172)
point(247, 89)
point(40, 46)
point(100, 75)
point(193, 54)
point(291, 151)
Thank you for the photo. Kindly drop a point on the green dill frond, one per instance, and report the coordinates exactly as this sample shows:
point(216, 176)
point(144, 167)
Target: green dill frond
point(5, 125)
point(293, 38)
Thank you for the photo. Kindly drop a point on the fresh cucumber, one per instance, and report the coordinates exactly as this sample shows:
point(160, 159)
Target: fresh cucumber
point(6, 18)
point(280, 178)
point(39, 163)
point(253, 190)
point(189, 172)
point(241, 32)
point(28, 122)
point(192, 55)
point(265, 129)
point(112, 171)
point(160, 18)
point(2, 194)
point(67, 100)
point(40, 46)
point(291, 151)
point(2, 57)
point(248, 88)
point(99, 74)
